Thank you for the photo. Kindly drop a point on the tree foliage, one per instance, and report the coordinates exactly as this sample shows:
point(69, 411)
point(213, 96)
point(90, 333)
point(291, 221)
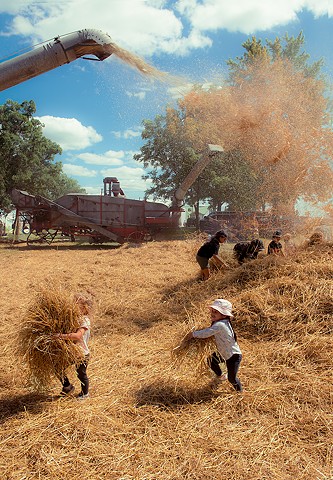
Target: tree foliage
point(288, 49)
point(170, 156)
point(169, 153)
point(27, 157)
point(272, 118)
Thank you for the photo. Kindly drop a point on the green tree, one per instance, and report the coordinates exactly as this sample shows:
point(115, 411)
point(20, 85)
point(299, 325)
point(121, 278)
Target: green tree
point(169, 156)
point(234, 183)
point(27, 157)
point(287, 49)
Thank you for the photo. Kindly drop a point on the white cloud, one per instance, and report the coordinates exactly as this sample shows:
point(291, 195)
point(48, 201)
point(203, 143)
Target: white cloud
point(184, 45)
point(128, 177)
point(155, 26)
point(129, 133)
point(69, 133)
point(139, 95)
point(23, 25)
point(108, 158)
point(10, 7)
point(147, 25)
point(130, 154)
point(78, 171)
point(186, 7)
point(320, 7)
point(249, 16)
point(180, 90)
point(241, 16)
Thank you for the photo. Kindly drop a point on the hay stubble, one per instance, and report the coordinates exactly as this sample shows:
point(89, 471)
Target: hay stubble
point(146, 419)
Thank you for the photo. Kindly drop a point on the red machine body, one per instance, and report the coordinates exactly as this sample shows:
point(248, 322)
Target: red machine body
point(103, 218)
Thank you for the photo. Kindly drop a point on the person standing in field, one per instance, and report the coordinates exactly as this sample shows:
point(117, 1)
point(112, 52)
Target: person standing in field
point(275, 246)
point(209, 250)
point(225, 338)
point(80, 336)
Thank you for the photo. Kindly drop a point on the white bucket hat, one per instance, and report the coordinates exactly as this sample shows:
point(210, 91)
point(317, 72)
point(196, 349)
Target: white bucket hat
point(222, 306)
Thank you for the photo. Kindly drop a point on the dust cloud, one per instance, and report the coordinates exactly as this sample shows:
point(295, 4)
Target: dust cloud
point(272, 114)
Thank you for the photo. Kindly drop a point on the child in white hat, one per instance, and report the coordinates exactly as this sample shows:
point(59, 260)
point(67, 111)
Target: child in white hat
point(226, 342)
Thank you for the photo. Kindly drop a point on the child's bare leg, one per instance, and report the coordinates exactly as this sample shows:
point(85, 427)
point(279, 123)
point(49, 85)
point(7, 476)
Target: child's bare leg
point(205, 273)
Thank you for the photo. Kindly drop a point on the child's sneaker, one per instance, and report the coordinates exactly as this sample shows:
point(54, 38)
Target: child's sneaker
point(67, 390)
point(83, 396)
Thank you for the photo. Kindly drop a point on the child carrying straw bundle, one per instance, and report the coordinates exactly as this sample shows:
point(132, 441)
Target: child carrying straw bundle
point(81, 337)
point(225, 341)
point(52, 318)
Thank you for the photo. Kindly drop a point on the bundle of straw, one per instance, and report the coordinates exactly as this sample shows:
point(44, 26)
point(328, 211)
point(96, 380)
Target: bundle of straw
point(45, 355)
point(194, 353)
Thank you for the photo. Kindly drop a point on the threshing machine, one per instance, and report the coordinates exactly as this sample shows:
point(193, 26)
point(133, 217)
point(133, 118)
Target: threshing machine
point(107, 217)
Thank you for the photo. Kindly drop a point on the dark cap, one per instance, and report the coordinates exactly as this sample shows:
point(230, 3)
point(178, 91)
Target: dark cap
point(220, 233)
point(278, 233)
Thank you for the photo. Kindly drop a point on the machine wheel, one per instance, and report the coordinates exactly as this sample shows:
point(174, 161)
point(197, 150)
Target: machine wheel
point(139, 237)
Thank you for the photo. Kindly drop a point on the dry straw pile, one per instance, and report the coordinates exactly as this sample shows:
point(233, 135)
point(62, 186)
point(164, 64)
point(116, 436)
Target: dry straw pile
point(279, 298)
point(193, 353)
point(46, 357)
point(149, 419)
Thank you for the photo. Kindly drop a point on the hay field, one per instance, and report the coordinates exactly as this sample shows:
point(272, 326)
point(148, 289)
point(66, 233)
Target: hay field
point(148, 419)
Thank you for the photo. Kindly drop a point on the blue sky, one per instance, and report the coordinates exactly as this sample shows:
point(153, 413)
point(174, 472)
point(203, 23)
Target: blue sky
point(94, 110)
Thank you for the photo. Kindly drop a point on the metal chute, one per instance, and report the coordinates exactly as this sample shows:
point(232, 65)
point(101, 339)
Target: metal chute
point(63, 49)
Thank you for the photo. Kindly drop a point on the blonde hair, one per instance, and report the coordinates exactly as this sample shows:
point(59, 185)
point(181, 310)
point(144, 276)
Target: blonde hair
point(84, 301)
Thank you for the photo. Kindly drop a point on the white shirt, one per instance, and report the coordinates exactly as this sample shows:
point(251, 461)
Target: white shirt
point(85, 323)
point(224, 338)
